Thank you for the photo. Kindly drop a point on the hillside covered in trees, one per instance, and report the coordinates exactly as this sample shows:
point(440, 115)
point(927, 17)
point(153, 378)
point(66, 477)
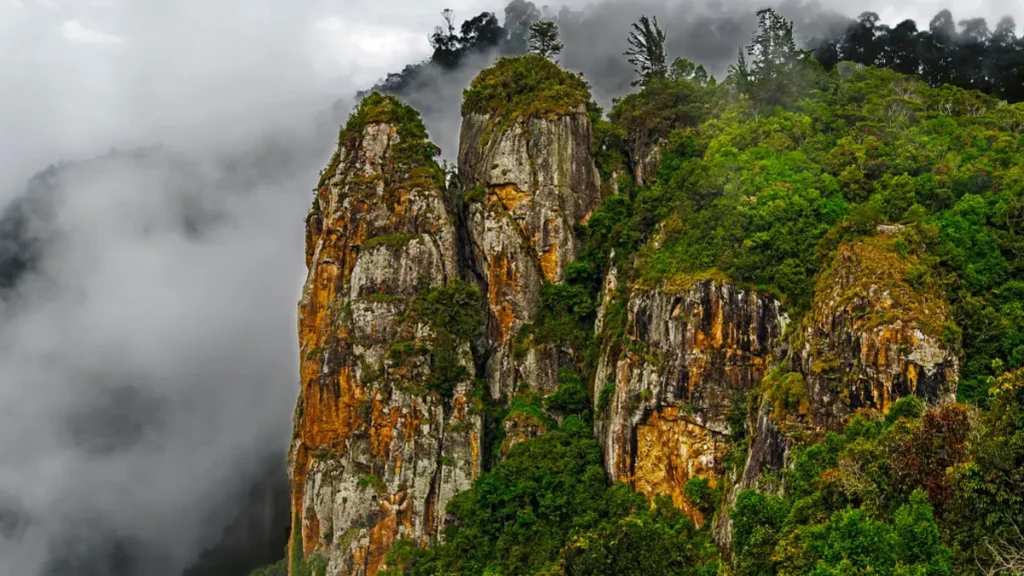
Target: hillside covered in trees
point(858, 206)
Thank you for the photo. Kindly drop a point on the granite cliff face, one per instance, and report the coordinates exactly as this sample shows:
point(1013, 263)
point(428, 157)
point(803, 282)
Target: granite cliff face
point(377, 451)
point(874, 335)
point(876, 332)
point(529, 184)
point(670, 391)
point(697, 379)
point(388, 426)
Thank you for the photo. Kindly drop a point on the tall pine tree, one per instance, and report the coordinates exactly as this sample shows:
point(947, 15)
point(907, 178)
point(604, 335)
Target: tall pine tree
point(647, 51)
point(544, 39)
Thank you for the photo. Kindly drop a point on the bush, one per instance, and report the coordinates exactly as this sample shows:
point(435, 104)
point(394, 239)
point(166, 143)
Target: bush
point(907, 407)
point(572, 397)
point(525, 87)
point(455, 314)
point(701, 494)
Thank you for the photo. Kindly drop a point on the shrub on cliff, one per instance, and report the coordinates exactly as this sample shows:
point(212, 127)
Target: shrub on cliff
point(987, 508)
point(454, 312)
point(524, 87)
point(664, 105)
point(870, 500)
point(414, 153)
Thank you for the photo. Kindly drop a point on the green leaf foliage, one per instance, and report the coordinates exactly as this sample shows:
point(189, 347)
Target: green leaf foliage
point(524, 87)
point(455, 314)
point(761, 180)
point(413, 154)
point(548, 506)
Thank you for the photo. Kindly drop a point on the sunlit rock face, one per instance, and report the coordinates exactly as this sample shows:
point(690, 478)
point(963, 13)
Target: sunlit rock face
point(672, 389)
point(528, 185)
point(375, 455)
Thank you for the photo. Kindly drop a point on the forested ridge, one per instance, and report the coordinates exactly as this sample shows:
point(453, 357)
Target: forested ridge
point(968, 53)
point(907, 144)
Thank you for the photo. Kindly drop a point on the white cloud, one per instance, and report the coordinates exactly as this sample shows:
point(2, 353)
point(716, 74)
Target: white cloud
point(362, 50)
point(73, 31)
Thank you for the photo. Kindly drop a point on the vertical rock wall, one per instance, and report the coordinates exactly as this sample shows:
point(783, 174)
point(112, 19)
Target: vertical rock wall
point(375, 455)
point(528, 185)
point(686, 364)
point(873, 335)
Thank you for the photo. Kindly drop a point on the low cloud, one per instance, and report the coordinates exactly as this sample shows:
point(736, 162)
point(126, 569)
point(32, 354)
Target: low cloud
point(73, 31)
point(148, 355)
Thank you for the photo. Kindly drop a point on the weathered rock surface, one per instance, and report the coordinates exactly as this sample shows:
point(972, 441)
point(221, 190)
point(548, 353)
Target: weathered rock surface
point(872, 338)
point(688, 360)
point(645, 162)
point(533, 181)
point(520, 427)
point(873, 335)
point(375, 456)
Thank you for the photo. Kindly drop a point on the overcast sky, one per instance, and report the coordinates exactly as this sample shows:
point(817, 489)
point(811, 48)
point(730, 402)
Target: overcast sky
point(134, 312)
point(81, 75)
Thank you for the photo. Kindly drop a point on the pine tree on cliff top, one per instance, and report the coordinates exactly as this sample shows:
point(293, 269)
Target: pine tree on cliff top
point(544, 39)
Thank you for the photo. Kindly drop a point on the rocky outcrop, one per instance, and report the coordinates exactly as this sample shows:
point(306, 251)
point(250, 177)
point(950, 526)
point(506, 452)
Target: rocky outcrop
point(645, 161)
point(529, 183)
point(668, 394)
point(876, 332)
point(520, 426)
point(379, 448)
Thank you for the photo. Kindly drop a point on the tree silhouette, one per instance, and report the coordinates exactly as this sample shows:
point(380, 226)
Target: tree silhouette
point(647, 51)
point(445, 41)
point(967, 54)
point(544, 39)
point(685, 69)
point(773, 76)
point(519, 16)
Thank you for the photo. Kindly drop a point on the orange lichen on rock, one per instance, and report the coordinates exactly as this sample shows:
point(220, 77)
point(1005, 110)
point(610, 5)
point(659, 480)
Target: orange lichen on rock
point(873, 337)
point(330, 409)
point(550, 261)
point(382, 537)
point(502, 278)
point(671, 450)
point(382, 428)
point(510, 196)
point(520, 427)
point(540, 181)
point(368, 434)
point(688, 358)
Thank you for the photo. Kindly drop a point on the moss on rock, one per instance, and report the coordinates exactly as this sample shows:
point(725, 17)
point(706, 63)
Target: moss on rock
point(414, 153)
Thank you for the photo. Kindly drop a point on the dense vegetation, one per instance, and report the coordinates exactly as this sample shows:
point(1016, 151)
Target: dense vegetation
point(758, 180)
point(525, 86)
point(973, 56)
point(456, 318)
point(518, 515)
point(967, 53)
